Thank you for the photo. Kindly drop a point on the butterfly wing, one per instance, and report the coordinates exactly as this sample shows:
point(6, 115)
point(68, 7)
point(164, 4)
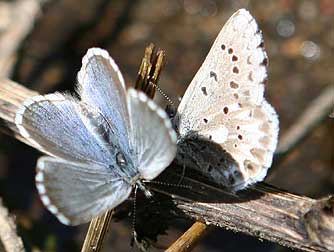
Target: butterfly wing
point(53, 124)
point(78, 192)
point(93, 129)
point(152, 138)
point(101, 85)
point(90, 135)
point(225, 103)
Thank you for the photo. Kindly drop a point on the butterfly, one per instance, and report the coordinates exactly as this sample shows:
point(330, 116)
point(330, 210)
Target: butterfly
point(226, 129)
point(99, 146)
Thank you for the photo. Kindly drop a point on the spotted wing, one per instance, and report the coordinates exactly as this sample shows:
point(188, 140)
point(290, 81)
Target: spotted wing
point(225, 103)
point(77, 192)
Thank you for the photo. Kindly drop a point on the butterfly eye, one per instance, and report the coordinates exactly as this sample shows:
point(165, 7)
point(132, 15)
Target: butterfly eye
point(120, 160)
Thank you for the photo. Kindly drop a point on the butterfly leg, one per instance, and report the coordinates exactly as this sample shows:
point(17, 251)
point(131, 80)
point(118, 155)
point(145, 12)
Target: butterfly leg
point(182, 174)
point(146, 191)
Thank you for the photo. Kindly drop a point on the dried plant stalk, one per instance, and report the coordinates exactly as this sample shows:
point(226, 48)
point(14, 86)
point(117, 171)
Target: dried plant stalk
point(9, 240)
point(190, 238)
point(96, 233)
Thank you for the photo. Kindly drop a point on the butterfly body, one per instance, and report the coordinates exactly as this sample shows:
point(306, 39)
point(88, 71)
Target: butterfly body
point(201, 154)
point(99, 146)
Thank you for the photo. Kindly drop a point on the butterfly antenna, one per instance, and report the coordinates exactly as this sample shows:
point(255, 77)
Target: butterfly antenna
point(167, 184)
point(134, 234)
point(163, 94)
point(183, 174)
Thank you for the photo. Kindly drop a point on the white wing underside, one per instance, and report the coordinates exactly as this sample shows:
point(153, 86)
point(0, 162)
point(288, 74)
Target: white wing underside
point(225, 103)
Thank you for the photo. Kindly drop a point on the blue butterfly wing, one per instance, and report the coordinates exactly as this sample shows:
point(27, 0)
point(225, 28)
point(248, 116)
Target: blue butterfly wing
point(77, 192)
point(101, 85)
point(53, 124)
point(152, 137)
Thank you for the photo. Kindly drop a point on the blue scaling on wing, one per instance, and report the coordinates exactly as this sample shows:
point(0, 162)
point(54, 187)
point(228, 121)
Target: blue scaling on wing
point(101, 85)
point(77, 192)
point(152, 137)
point(101, 145)
point(53, 124)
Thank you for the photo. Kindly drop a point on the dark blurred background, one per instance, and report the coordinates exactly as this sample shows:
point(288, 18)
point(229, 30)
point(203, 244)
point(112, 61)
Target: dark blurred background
point(41, 46)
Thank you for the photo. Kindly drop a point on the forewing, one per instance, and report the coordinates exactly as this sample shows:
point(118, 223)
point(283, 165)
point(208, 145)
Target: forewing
point(225, 103)
point(101, 85)
point(233, 71)
point(77, 192)
point(152, 138)
point(53, 124)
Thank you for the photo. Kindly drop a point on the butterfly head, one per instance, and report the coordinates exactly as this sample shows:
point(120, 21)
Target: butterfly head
point(134, 180)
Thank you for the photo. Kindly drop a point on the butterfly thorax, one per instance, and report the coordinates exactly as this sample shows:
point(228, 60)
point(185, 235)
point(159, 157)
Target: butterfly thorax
point(135, 180)
point(125, 168)
point(105, 132)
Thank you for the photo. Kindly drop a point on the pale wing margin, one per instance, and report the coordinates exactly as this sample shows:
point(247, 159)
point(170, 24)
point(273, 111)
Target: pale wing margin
point(53, 124)
point(153, 139)
point(77, 192)
point(101, 85)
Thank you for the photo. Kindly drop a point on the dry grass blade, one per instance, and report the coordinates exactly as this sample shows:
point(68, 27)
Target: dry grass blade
point(96, 233)
point(11, 97)
point(317, 111)
point(9, 240)
point(149, 71)
point(20, 18)
point(261, 211)
point(190, 238)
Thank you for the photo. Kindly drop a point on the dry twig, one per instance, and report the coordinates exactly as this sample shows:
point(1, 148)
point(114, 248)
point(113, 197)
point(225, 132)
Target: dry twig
point(317, 111)
point(149, 71)
point(190, 238)
point(16, 20)
point(9, 240)
point(96, 233)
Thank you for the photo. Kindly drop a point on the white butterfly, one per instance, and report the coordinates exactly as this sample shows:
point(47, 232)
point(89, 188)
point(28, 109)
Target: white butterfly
point(100, 146)
point(227, 130)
